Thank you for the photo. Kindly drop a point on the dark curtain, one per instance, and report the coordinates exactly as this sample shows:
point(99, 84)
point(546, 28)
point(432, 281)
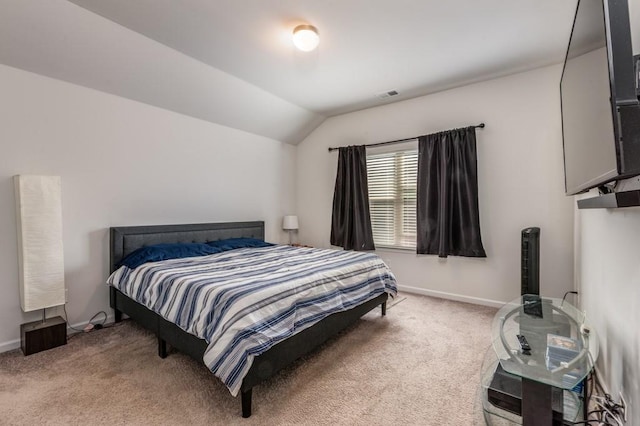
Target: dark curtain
point(448, 218)
point(350, 220)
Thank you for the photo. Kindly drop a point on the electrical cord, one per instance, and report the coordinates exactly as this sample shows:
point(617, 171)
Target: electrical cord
point(606, 411)
point(97, 325)
point(589, 392)
point(565, 296)
point(66, 318)
point(104, 320)
point(587, 422)
point(601, 421)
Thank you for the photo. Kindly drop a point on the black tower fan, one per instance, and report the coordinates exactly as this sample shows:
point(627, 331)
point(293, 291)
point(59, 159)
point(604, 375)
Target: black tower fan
point(530, 261)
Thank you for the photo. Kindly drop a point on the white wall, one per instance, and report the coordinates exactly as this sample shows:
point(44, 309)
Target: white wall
point(608, 263)
point(521, 182)
point(124, 163)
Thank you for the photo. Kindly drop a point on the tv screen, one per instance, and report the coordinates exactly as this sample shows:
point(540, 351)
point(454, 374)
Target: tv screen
point(588, 114)
point(600, 112)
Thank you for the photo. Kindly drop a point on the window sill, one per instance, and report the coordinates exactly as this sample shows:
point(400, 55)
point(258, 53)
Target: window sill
point(397, 249)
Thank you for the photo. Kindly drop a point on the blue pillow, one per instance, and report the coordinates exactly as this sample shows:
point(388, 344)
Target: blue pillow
point(235, 243)
point(159, 252)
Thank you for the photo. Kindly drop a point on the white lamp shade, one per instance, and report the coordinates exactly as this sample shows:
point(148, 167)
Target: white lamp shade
point(290, 223)
point(305, 37)
point(40, 255)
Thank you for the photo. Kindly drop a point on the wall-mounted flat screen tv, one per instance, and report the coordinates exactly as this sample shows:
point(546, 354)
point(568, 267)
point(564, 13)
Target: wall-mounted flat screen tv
point(600, 109)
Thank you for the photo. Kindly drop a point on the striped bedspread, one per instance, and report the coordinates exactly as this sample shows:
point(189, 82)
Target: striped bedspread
point(244, 301)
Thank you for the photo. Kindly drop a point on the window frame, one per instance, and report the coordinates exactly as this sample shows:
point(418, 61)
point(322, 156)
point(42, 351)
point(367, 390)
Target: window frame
point(400, 188)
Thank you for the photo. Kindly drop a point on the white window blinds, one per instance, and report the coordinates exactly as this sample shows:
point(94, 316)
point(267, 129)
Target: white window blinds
point(392, 178)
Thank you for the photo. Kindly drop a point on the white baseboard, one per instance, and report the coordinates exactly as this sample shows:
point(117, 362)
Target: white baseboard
point(15, 344)
point(452, 296)
point(10, 345)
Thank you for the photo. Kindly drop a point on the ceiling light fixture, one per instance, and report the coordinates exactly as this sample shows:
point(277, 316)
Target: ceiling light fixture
point(305, 37)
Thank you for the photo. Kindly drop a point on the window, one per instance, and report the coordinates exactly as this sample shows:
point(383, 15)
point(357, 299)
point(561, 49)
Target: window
point(392, 178)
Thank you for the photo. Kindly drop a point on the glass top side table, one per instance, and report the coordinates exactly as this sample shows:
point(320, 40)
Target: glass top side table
point(562, 348)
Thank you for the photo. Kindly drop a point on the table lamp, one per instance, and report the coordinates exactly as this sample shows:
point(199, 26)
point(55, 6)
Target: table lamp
point(290, 224)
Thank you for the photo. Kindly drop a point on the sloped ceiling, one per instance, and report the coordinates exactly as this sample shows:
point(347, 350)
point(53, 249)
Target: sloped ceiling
point(232, 63)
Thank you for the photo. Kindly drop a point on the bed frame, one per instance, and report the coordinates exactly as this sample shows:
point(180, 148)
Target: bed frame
point(124, 240)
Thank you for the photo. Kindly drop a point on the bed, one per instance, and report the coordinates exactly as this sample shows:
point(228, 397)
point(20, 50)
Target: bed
point(125, 240)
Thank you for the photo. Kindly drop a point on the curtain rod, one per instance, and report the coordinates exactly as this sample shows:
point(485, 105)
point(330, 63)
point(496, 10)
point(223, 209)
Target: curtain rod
point(481, 125)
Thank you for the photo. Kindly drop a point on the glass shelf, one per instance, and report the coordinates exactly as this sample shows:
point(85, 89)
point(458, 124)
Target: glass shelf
point(496, 415)
point(561, 355)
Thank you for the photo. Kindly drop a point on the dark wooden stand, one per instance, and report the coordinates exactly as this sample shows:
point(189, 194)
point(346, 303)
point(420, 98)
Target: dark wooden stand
point(39, 336)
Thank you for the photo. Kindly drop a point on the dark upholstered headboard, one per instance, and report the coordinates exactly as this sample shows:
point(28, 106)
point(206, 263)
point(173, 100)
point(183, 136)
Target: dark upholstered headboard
point(125, 239)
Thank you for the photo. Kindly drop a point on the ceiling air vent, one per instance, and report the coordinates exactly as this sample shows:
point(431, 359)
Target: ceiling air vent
point(387, 94)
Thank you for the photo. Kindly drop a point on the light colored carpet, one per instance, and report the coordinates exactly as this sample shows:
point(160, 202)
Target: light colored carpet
point(419, 365)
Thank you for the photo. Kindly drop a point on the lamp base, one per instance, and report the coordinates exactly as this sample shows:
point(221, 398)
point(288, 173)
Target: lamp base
point(38, 336)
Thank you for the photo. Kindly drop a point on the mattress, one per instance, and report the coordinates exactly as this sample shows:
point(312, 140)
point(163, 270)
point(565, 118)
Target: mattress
point(244, 301)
